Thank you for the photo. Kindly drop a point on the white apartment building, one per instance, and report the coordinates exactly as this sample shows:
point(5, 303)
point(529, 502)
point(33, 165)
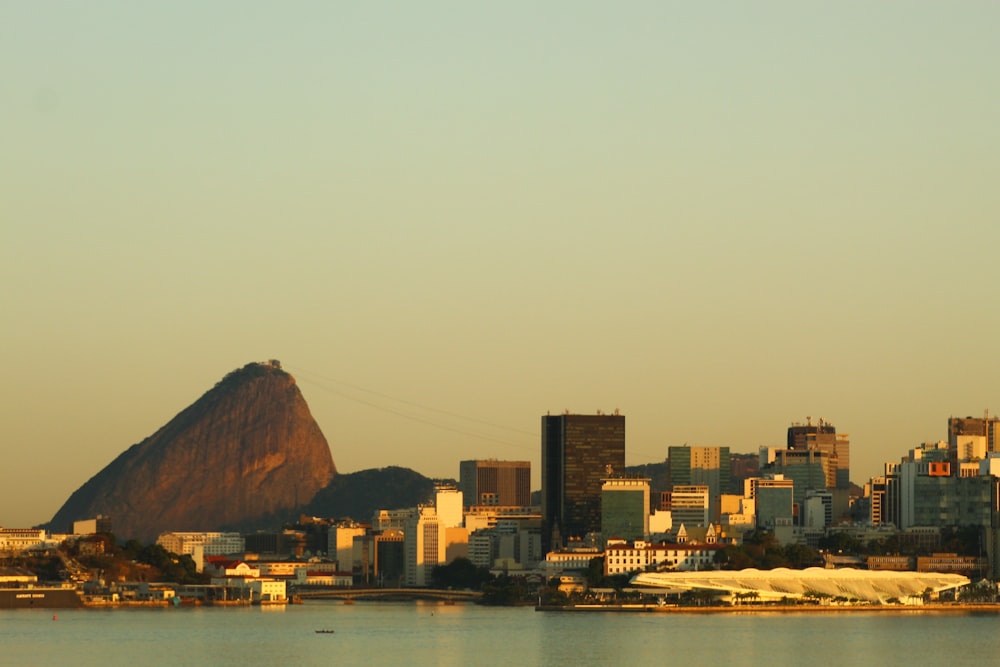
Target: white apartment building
point(423, 546)
point(211, 544)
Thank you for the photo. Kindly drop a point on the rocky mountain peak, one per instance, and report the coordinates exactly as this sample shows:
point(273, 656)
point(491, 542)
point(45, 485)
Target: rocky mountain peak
point(247, 450)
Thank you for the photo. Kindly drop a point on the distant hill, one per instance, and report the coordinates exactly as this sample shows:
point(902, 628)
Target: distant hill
point(248, 451)
point(360, 494)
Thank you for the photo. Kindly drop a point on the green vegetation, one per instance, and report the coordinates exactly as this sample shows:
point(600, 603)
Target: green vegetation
point(460, 574)
point(763, 551)
point(503, 590)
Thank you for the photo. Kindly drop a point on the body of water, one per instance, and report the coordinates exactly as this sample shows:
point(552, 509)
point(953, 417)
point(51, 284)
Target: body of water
point(426, 633)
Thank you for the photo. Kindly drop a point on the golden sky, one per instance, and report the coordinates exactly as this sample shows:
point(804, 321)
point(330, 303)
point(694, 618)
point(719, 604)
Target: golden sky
point(718, 218)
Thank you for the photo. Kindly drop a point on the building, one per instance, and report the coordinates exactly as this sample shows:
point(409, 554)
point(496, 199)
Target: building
point(702, 466)
point(558, 562)
point(384, 520)
point(509, 544)
point(491, 482)
point(809, 470)
point(824, 437)
point(578, 453)
point(100, 524)
point(625, 508)
point(448, 504)
point(876, 492)
point(340, 545)
point(817, 510)
point(689, 506)
point(878, 587)
point(986, 427)
point(19, 539)
point(773, 500)
point(423, 546)
point(209, 544)
point(390, 558)
point(623, 557)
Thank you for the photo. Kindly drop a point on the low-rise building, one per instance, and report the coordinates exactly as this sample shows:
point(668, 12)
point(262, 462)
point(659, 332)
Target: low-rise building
point(558, 562)
point(209, 543)
point(20, 539)
point(622, 557)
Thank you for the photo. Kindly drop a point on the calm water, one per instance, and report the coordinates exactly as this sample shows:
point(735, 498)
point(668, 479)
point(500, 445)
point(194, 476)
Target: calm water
point(466, 635)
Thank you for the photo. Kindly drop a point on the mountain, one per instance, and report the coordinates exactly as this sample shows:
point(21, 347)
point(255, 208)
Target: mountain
point(358, 495)
point(245, 452)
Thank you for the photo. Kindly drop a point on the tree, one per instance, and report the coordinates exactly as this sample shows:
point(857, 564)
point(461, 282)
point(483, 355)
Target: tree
point(460, 573)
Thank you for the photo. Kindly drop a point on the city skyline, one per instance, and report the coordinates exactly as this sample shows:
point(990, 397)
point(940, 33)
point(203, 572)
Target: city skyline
point(446, 220)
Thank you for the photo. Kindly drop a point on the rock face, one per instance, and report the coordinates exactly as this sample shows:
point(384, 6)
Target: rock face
point(246, 451)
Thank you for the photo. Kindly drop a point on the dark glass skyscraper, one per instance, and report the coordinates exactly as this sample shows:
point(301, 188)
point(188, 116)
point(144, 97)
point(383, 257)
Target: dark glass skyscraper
point(578, 452)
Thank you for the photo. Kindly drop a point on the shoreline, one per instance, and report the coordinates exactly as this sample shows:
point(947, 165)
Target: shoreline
point(935, 608)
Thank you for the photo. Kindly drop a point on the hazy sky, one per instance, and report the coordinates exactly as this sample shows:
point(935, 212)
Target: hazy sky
point(717, 217)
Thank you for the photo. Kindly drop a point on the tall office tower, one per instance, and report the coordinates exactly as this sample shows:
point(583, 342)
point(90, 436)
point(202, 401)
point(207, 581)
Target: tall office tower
point(423, 547)
point(970, 440)
point(578, 453)
point(877, 511)
point(985, 426)
point(824, 437)
point(625, 508)
point(797, 432)
point(807, 468)
point(705, 466)
point(448, 504)
point(497, 483)
point(773, 498)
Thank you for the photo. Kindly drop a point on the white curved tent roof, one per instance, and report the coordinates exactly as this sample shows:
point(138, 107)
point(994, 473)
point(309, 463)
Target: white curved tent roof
point(871, 585)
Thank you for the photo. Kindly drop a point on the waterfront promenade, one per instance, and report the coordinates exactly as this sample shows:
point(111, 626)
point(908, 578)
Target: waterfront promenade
point(388, 594)
point(933, 607)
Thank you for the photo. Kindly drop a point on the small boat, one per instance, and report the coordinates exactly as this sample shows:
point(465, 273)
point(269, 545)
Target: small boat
point(325, 632)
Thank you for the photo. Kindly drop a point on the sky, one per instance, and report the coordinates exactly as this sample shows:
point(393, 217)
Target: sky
point(447, 219)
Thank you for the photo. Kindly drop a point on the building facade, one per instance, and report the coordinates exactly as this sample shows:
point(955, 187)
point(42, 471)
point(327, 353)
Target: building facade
point(495, 483)
point(689, 506)
point(824, 437)
point(703, 466)
point(578, 453)
point(625, 508)
point(210, 544)
point(423, 546)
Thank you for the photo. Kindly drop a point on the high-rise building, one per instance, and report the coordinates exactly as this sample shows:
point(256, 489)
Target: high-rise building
point(423, 547)
point(704, 466)
point(625, 508)
point(689, 505)
point(809, 469)
point(496, 483)
point(986, 427)
point(773, 500)
point(797, 433)
point(877, 511)
point(578, 453)
point(448, 504)
point(824, 437)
